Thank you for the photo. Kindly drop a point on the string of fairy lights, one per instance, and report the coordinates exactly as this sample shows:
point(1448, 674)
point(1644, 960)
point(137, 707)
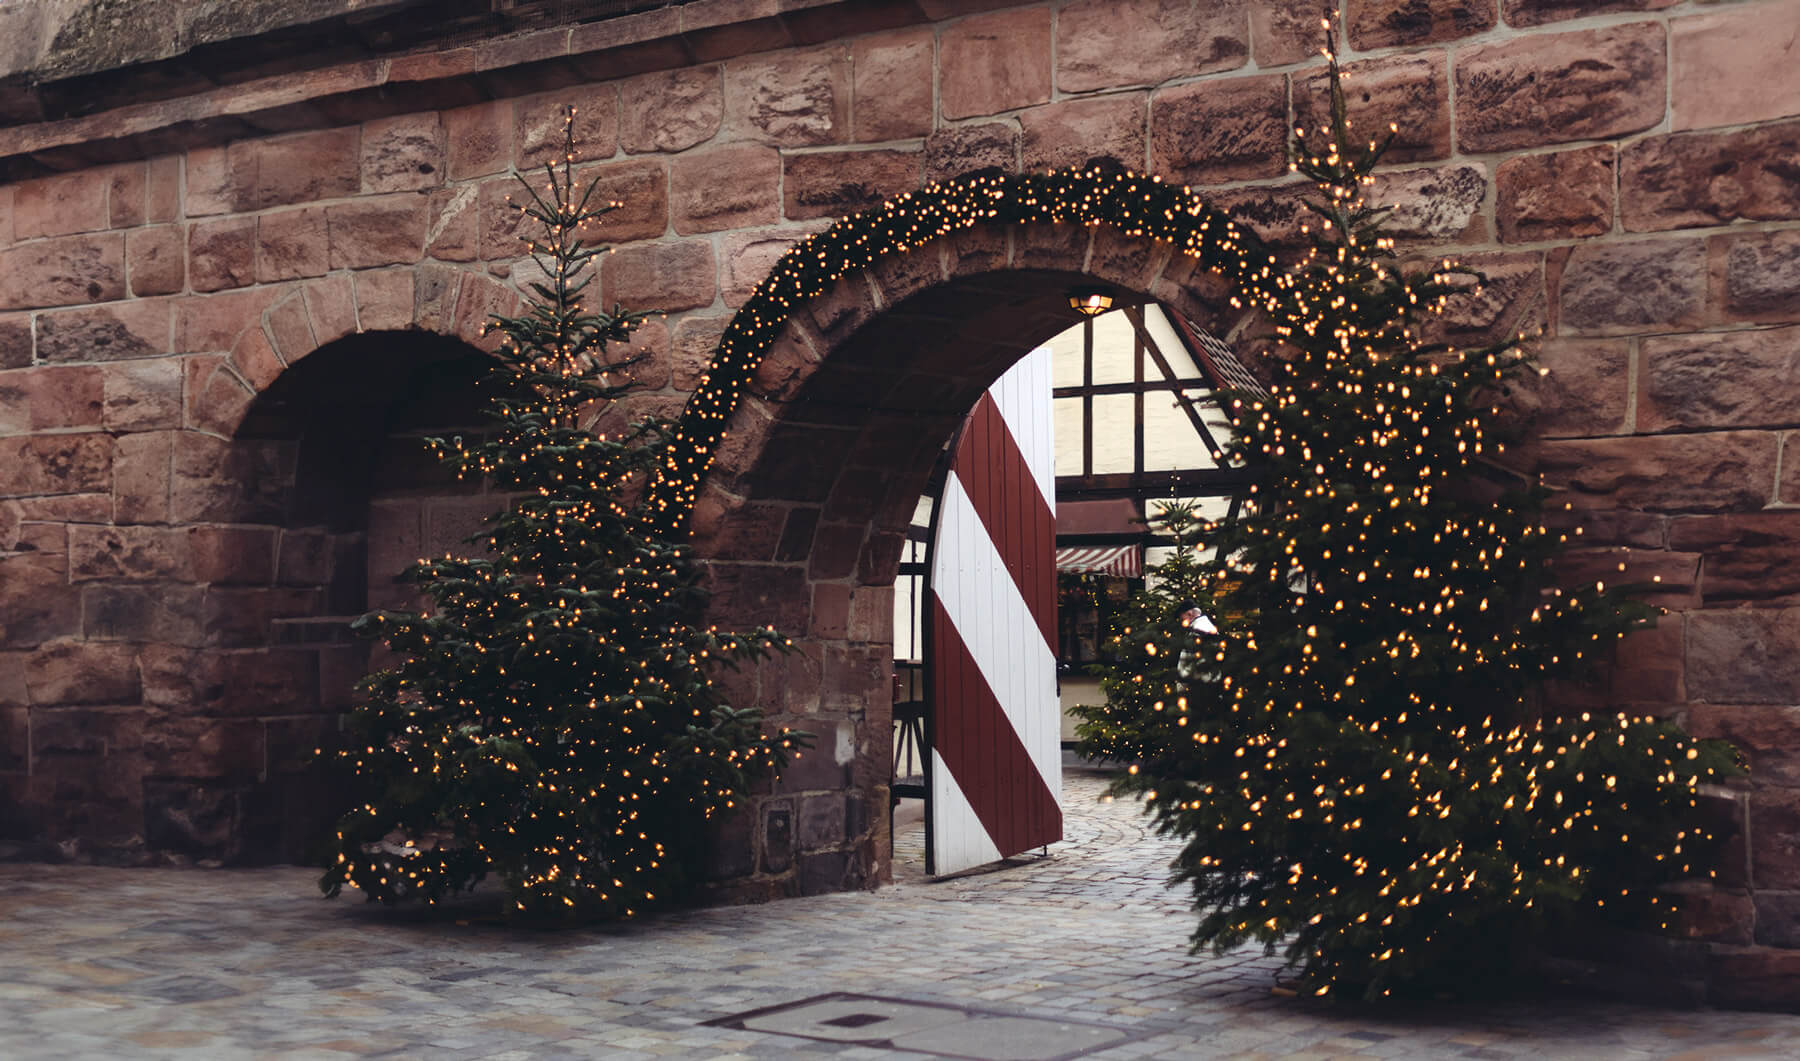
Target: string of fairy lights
point(1133, 203)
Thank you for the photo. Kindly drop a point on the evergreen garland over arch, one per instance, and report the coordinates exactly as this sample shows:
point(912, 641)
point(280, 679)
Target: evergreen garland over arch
point(1134, 203)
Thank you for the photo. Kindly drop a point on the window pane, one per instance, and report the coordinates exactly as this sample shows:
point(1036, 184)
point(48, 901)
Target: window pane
point(1114, 433)
point(1114, 342)
point(1067, 425)
point(1170, 441)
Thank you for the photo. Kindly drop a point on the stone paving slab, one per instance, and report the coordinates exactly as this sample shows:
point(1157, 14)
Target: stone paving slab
point(193, 964)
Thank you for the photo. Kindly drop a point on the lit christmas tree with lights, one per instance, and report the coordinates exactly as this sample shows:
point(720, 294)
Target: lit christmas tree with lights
point(552, 719)
point(1365, 770)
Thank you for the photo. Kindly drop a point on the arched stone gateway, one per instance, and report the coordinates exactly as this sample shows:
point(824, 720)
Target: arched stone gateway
point(185, 216)
point(846, 405)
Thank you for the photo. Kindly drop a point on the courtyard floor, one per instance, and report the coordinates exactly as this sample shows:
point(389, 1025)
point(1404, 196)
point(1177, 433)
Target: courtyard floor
point(1080, 953)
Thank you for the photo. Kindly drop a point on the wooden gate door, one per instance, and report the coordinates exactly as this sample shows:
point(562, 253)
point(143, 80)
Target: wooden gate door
point(994, 721)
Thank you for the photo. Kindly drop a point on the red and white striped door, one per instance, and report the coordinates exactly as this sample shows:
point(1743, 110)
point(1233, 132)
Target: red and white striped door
point(995, 732)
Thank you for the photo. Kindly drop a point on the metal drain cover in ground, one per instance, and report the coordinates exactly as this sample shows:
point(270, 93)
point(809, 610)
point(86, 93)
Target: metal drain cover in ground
point(927, 1027)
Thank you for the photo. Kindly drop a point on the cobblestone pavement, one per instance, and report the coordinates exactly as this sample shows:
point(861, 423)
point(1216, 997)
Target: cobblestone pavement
point(101, 963)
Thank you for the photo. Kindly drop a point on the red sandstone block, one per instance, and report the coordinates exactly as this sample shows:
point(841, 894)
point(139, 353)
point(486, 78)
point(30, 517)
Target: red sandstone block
point(900, 276)
point(1286, 31)
point(128, 552)
point(1748, 557)
point(793, 99)
point(1539, 12)
point(1718, 379)
point(55, 464)
point(162, 196)
point(1511, 301)
point(59, 205)
point(402, 153)
point(454, 230)
point(380, 230)
point(36, 602)
point(1409, 91)
point(142, 395)
point(290, 244)
point(641, 188)
point(156, 260)
point(217, 403)
point(141, 472)
point(1074, 132)
point(966, 148)
point(210, 187)
point(478, 301)
point(480, 139)
point(1213, 131)
point(331, 308)
point(830, 610)
point(214, 322)
point(434, 297)
point(1108, 43)
point(660, 276)
point(1735, 66)
point(986, 248)
point(254, 359)
point(503, 225)
point(540, 126)
point(728, 187)
point(222, 253)
point(216, 480)
point(299, 168)
point(105, 333)
point(1557, 87)
point(1720, 471)
point(1761, 276)
point(1586, 391)
point(694, 341)
point(241, 556)
point(78, 672)
point(749, 258)
point(140, 489)
point(125, 190)
point(384, 300)
point(786, 367)
point(671, 110)
point(1691, 179)
point(750, 595)
point(892, 77)
point(1386, 23)
point(15, 417)
point(68, 271)
point(994, 62)
point(1441, 205)
point(839, 183)
point(63, 396)
point(16, 344)
point(649, 354)
point(1560, 195)
point(1744, 656)
point(1631, 288)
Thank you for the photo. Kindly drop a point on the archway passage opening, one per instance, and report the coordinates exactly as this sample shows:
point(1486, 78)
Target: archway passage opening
point(812, 512)
point(325, 492)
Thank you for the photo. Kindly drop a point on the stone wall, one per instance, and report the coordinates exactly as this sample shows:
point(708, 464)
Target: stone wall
point(1623, 171)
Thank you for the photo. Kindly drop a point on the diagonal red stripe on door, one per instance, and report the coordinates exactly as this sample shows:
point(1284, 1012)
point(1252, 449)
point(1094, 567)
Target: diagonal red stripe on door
point(1000, 486)
point(983, 752)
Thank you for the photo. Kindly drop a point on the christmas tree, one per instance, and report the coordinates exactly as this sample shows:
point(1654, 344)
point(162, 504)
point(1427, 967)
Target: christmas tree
point(1364, 767)
point(552, 718)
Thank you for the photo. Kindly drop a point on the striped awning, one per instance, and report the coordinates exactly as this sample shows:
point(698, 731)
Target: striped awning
point(1125, 561)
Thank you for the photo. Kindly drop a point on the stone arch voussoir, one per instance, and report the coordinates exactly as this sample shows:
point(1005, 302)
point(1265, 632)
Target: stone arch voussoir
point(271, 333)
